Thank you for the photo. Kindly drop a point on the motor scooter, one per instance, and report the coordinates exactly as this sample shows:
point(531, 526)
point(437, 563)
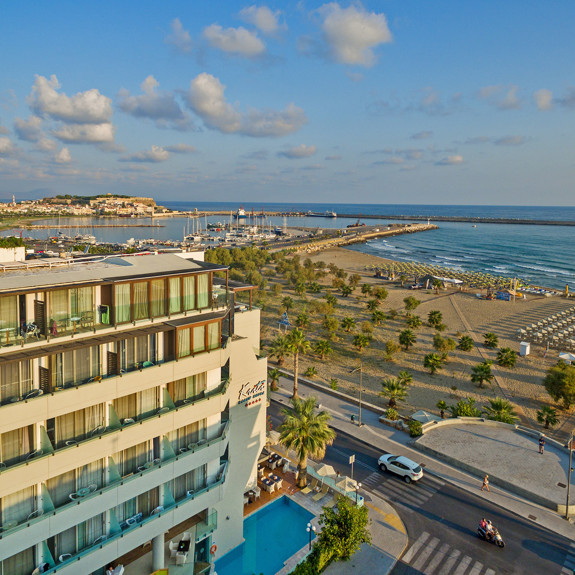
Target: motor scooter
point(493, 537)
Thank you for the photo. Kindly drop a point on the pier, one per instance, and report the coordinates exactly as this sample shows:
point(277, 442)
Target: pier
point(69, 226)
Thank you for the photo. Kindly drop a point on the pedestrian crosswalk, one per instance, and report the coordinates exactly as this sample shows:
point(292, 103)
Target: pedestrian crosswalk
point(392, 488)
point(569, 565)
point(429, 556)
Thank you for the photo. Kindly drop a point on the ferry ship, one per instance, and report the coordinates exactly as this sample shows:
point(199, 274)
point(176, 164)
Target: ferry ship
point(326, 214)
point(240, 214)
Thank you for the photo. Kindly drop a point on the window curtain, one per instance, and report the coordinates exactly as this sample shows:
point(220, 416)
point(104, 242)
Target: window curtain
point(73, 367)
point(199, 338)
point(81, 301)
point(214, 335)
point(122, 303)
point(203, 290)
point(181, 485)
point(141, 310)
point(126, 510)
point(91, 474)
point(17, 506)
point(199, 477)
point(149, 401)
point(175, 295)
point(130, 459)
point(66, 542)
point(60, 488)
point(148, 501)
point(9, 312)
point(59, 304)
point(158, 302)
point(189, 293)
point(22, 563)
point(184, 342)
point(79, 424)
point(9, 382)
point(142, 351)
point(16, 445)
point(88, 531)
point(126, 406)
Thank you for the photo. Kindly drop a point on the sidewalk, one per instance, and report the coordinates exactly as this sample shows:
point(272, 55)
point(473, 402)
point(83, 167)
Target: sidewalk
point(388, 439)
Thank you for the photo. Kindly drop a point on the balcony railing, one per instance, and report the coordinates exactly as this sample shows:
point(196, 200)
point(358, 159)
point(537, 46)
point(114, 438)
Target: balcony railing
point(207, 526)
point(209, 523)
point(41, 514)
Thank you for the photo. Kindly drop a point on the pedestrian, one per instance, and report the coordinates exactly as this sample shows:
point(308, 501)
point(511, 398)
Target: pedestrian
point(541, 443)
point(352, 418)
point(485, 483)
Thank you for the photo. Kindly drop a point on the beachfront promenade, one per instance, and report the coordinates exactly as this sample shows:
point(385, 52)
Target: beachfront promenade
point(504, 455)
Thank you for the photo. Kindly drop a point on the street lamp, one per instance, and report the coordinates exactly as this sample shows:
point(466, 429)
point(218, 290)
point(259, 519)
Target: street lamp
point(570, 446)
point(311, 530)
point(360, 369)
point(357, 488)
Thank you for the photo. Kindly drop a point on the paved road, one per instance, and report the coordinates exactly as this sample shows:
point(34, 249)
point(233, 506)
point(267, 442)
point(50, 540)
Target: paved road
point(441, 521)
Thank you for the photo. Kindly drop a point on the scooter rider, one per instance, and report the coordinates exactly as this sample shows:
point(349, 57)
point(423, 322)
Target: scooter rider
point(489, 530)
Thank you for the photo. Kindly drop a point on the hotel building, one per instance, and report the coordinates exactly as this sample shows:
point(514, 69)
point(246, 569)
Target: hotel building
point(132, 402)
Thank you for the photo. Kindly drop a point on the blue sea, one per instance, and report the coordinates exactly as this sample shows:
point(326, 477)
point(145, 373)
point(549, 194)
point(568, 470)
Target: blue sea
point(539, 254)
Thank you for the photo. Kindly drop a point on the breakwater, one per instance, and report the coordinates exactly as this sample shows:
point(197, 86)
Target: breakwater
point(70, 226)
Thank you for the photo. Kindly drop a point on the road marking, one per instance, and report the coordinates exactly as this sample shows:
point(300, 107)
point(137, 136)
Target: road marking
point(437, 559)
point(390, 518)
point(424, 555)
point(463, 565)
point(476, 569)
point(455, 553)
point(346, 455)
point(489, 572)
point(415, 547)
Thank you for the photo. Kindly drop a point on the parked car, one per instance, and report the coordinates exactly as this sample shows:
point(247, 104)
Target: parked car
point(400, 465)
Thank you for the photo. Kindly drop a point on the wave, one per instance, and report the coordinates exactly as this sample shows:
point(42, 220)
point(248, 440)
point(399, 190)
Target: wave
point(545, 269)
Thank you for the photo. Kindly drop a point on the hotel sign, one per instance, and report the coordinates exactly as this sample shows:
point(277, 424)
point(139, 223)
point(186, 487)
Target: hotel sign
point(252, 393)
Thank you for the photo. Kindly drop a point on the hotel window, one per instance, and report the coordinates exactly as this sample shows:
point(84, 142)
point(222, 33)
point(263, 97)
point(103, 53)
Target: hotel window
point(76, 426)
point(203, 290)
point(9, 313)
point(76, 367)
point(175, 286)
point(192, 481)
point(189, 434)
point(199, 338)
point(189, 284)
point(139, 405)
point(144, 504)
point(122, 303)
point(136, 350)
point(214, 335)
point(20, 564)
point(15, 380)
point(158, 297)
point(141, 298)
point(81, 301)
point(130, 459)
point(188, 388)
point(16, 507)
point(77, 538)
point(16, 445)
point(193, 339)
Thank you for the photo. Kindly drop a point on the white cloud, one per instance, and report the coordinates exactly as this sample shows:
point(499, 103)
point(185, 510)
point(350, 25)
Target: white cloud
point(503, 97)
point(86, 133)
point(351, 34)
point(235, 41)
point(45, 145)
point(154, 155)
point(450, 161)
point(6, 147)
point(63, 156)
point(206, 98)
point(264, 19)
point(568, 101)
point(298, 152)
point(179, 38)
point(426, 134)
point(180, 149)
point(510, 141)
point(332, 158)
point(544, 99)
point(160, 107)
point(4, 130)
point(29, 130)
point(88, 107)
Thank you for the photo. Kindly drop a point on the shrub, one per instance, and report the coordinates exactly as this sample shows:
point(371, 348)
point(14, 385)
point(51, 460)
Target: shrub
point(333, 383)
point(415, 429)
point(11, 242)
point(392, 414)
point(310, 372)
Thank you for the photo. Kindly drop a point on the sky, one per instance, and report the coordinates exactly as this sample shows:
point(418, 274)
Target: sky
point(380, 102)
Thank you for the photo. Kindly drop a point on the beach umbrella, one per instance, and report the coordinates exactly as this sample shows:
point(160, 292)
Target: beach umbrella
point(325, 470)
point(346, 484)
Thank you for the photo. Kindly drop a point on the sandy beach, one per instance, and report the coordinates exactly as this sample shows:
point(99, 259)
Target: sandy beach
point(463, 314)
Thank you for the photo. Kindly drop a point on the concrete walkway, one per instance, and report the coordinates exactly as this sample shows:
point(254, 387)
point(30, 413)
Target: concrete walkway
point(388, 439)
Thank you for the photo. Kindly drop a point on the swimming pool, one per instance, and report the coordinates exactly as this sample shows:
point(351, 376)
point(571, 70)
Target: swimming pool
point(272, 535)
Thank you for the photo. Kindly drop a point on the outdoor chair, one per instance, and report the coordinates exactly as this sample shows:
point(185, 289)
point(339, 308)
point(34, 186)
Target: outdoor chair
point(173, 546)
point(321, 494)
point(310, 486)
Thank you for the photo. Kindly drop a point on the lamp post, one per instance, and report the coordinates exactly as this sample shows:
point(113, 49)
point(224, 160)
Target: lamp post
point(570, 446)
point(310, 529)
point(357, 488)
point(360, 369)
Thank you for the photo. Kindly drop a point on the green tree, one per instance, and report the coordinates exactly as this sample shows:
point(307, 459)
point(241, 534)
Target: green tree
point(361, 341)
point(465, 408)
point(348, 323)
point(276, 290)
point(547, 416)
point(366, 289)
point(394, 391)
point(274, 376)
point(560, 383)
point(279, 349)
point(380, 293)
point(346, 290)
point(322, 348)
point(302, 320)
point(287, 302)
point(313, 287)
point(434, 318)
point(407, 339)
point(391, 348)
point(436, 285)
point(372, 304)
point(297, 344)
point(411, 303)
point(481, 373)
point(413, 321)
point(367, 329)
point(306, 431)
point(300, 288)
point(330, 325)
point(354, 280)
point(506, 357)
point(378, 317)
point(433, 362)
point(490, 340)
point(310, 371)
point(344, 529)
point(442, 406)
point(443, 344)
point(500, 410)
point(331, 299)
point(404, 377)
point(466, 343)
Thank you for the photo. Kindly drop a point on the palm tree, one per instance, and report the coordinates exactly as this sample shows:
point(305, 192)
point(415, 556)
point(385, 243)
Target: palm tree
point(287, 302)
point(297, 343)
point(433, 362)
point(442, 406)
point(413, 321)
point(307, 432)
point(547, 416)
point(348, 323)
point(346, 290)
point(411, 303)
point(404, 377)
point(393, 390)
point(491, 340)
point(360, 341)
point(466, 343)
point(372, 304)
point(436, 285)
point(279, 348)
point(331, 299)
point(434, 318)
point(274, 375)
point(481, 373)
point(378, 317)
point(302, 320)
point(380, 293)
point(365, 289)
point(322, 348)
point(407, 339)
point(500, 410)
point(506, 357)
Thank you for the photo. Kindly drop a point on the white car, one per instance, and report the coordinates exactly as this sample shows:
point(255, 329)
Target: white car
point(409, 470)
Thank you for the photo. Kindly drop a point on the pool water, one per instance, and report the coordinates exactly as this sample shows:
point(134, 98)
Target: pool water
point(272, 535)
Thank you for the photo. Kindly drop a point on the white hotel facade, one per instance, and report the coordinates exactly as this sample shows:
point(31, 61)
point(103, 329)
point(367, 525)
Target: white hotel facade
point(134, 408)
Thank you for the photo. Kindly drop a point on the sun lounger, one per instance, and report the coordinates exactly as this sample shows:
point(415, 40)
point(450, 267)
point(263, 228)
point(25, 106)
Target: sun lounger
point(321, 494)
point(310, 486)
